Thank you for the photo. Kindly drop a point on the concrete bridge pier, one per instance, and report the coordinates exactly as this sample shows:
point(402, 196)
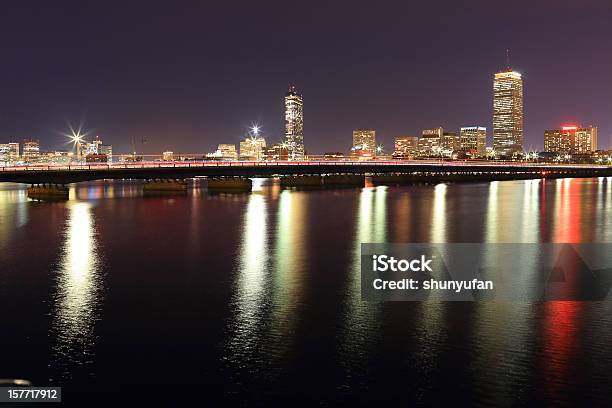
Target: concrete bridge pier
point(165, 186)
point(46, 191)
point(392, 179)
point(344, 180)
point(229, 184)
point(307, 181)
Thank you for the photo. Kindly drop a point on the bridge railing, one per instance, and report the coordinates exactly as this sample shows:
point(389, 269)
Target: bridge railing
point(197, 164)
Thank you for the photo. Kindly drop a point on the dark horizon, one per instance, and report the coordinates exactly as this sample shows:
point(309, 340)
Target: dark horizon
point(191, 76)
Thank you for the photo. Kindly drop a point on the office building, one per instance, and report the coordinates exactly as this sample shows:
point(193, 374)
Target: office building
point(508, 113)
point(228, 151)
point(5, 151)
point(106, 150)
point(451, 142)
point(571, 140)
point(276, 152)
point(430, 142)
point(13, 152)
point(251, 148)
point(364, 142)
point(406, 147)
point(474, 140)
point(294, 124)
point(94, 146)
point(30, 150)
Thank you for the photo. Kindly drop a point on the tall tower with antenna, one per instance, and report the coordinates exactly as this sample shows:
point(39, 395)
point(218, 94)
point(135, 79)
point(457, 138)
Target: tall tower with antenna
point(508, 111)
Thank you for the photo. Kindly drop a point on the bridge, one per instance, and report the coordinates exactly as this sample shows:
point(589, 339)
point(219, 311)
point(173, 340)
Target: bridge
point(294, 173)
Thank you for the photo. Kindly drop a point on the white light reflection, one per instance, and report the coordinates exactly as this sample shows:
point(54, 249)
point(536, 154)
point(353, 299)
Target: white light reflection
point(362, 318)
point(530, 230)
point(438, 219)
point(78, 293)
point(253, 260)
point(13, 212)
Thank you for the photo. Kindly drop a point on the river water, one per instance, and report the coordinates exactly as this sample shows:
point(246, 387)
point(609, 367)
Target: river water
point(256, 297)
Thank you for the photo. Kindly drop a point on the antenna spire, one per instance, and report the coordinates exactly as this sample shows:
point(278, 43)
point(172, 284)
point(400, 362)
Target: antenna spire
point(508, 67)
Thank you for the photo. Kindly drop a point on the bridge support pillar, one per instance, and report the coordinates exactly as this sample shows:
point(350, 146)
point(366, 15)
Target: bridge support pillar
point(229, 184)
point(48, 191)
point(301, 181)
point(165, 185)
point(392, 179)
point(350, 180)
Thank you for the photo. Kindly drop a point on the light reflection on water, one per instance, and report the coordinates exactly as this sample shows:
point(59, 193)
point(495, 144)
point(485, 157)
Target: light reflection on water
point(507, 351)
point(78, 293)
point(290, 268)
point(13, 211)
point(361, 318)
point(252, 276)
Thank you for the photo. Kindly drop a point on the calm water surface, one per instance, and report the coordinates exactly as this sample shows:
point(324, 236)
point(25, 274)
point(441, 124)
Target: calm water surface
point(255, 297)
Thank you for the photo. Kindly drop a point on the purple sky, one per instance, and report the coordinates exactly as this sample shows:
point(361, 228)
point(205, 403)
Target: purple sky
point(191, 75)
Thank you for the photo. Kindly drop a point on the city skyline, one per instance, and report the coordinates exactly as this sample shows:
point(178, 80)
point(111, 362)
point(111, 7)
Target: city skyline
point(506, 78)
point(185, 92)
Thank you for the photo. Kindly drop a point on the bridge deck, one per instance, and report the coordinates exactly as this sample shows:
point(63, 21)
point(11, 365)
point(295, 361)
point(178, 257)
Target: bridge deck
point(63, 174)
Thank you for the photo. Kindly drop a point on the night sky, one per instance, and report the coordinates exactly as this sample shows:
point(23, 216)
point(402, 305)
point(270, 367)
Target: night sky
point(188, 76)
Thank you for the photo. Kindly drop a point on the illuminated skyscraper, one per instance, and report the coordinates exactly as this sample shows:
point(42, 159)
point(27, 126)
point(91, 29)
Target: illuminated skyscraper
point(508, 112)
point(364, 142)
point(294, 124)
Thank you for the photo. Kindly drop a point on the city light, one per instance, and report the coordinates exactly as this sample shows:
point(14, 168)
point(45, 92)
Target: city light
point(76, 136)
point(255, 129)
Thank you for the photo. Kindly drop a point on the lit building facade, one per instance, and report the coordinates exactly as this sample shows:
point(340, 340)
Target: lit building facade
point(474, 140)
point(81, 150)
point(13, 152)
point(294, 124)
point(406, 147)
point(451, 142)
point(364, 142)
point(430, 143)
point(277, 151)
point(168, 155)
point(94, 152)
point(4, 154)
point(9, 153)
point(106, 150)
point(571, 140)
point(252, 148)
point(30, 150)
point(228, 151)
point(94, 146)
point(508, 113)
point(333, 156)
